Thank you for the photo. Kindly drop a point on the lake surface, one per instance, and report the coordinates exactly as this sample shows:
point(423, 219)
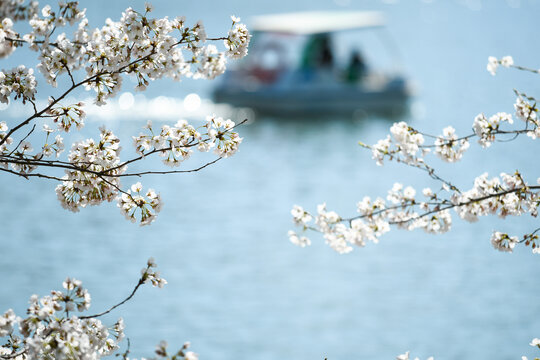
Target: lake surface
point(237, 287)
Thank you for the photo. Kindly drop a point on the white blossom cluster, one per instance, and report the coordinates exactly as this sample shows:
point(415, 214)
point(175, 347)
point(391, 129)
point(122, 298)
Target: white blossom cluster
point(376, 216)
point(19, 82)
point(96, 178)
point(406, 357)
point(137, 45)
point(182, 354)
point(493, 63)
point(96, 165)
point(507, 195)
point(486, 129)
point(18, 9)
point(529, 114)
point(174, 143)
point(7, 140)
point(6, 31)
point(301, 241)
point(51, 331)
point(22, 153)
point(148, 204)
point(535, 343)
point(67, 116)
point(7, 321)
point(24, 149)
point(408, 142)
point(238, 40)
point(405, 144)
point(525, 111)
point(503, 242)
point(148, 274)
point(405, 141)
point(448, 147)
point(221, 137)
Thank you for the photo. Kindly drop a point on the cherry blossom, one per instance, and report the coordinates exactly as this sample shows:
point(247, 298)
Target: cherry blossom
point(51, 328)
point(493, 63)
point(98, 60)
point(448, 147)
point(509, 194)
point(406, 357)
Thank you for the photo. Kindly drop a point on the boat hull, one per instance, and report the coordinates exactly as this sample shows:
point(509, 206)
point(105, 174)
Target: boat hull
point(318, 99)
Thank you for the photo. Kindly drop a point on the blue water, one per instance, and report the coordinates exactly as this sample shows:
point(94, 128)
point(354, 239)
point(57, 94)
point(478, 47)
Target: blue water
point(237, 288)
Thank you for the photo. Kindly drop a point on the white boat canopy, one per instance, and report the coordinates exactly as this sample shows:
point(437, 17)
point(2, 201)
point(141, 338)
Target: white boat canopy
point(316, 22)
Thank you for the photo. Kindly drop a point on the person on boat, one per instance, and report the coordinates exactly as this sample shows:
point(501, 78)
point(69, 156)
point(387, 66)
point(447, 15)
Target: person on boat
point(317, 56)
point(356, 69)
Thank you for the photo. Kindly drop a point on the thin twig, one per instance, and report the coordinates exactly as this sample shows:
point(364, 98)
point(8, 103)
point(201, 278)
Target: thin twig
point(438, 205)
point(525, 69)
point(24, 138)
point(68, 91)
point(168, 171)
point(529, 236)
point(29, 175)
point(69, 73)
point(117, 305)
point(502, 193)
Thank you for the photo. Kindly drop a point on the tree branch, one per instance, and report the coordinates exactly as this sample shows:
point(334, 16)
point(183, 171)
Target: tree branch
point(24, 138)
point(169, 171)
point(29, 175)
point(451, 206)
point(141, 281)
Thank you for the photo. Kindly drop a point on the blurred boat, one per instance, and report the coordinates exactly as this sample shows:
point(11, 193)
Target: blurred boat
point(292, 69)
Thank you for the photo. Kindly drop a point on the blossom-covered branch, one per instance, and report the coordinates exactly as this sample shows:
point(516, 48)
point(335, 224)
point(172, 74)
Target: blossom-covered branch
point(506, 61)
point(52, 331)
point(508, 194)
point(137, 46)
point(98, 60)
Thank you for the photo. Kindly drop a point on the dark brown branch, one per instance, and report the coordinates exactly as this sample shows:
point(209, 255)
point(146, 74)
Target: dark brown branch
point(27, 176)
point(43, 163)
point(530, 236)
point(69, 73)
point(101, 174)
point(73, 87)
point(169, 171)
point(141, 281)
point(24, 138)
point(502, 193)
point(433, 175)
point(33, 105)
point(425, 167)
point(387, 209)
point(438, 205)
point(516, 133)
point(190, 144)
point(118, 188)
